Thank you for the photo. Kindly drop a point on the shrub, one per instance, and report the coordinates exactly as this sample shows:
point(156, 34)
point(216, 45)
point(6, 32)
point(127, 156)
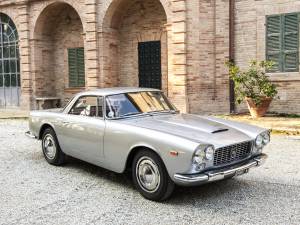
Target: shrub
point(253, 82)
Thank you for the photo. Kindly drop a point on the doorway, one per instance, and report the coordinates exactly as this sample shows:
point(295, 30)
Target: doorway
point(150, 64)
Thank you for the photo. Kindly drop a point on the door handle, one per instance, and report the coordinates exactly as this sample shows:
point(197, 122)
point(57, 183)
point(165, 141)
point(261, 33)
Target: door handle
point(66, 122)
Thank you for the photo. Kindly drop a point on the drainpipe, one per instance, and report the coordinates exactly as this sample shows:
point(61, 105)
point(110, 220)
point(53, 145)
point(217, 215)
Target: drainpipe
point(231, 51)
point(215, 49)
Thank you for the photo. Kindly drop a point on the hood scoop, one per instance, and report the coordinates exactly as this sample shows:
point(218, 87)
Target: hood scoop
point(219, 130)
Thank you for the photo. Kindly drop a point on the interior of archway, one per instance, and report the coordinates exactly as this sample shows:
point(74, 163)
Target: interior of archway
point(58, 29)
point(129, 23)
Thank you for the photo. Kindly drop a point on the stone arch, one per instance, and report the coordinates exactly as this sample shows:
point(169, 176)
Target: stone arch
point(58, 30)
point(126, 24)
point(172, 35)
point(43, 7)
point(116, 8)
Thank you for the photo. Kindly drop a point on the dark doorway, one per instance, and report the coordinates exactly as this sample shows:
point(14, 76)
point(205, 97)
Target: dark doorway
point(150, 64)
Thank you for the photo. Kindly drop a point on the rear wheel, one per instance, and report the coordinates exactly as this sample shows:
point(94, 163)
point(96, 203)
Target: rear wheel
point(151, 177)
point(51, 149)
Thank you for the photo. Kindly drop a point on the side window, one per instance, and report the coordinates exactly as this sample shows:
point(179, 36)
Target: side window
point(85, 106)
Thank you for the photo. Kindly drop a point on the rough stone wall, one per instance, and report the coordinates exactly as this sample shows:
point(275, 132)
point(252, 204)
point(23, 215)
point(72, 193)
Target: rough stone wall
point(250, 44)
point(207, 52)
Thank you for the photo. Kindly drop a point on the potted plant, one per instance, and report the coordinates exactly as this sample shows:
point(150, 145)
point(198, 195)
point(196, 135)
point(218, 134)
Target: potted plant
point(254, 86)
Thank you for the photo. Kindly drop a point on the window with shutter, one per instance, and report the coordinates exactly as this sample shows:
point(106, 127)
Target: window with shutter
point(282, 42)
point(76, 67)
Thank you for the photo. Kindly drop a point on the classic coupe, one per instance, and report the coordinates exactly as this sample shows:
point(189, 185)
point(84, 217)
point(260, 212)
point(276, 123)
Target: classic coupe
point(139, 130)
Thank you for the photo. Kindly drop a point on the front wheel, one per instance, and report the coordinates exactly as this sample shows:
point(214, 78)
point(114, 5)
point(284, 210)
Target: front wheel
point(51, 149)
point(150, 176)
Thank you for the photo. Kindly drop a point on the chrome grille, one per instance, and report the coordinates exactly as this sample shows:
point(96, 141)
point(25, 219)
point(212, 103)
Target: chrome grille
point(232, 153)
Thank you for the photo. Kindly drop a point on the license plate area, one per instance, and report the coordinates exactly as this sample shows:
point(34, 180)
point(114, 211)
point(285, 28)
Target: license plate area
point(241, 172)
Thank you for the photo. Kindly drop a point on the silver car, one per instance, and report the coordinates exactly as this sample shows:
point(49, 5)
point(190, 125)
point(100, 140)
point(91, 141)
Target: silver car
point(139, 130)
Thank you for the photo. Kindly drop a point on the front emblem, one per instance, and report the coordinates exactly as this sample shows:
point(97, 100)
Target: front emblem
point(233, 154)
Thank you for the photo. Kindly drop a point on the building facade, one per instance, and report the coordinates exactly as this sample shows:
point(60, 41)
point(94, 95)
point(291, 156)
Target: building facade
point(270, 29)
point(56, 48)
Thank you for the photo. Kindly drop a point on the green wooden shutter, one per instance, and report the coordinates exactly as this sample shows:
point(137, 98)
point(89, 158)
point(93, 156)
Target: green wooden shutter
point(80, 67)
point(72, 67)
point(290, 42)
point(273, 42)
point(76, 67)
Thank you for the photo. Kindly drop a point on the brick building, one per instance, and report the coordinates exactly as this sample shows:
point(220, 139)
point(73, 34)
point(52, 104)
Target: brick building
point(53, 49)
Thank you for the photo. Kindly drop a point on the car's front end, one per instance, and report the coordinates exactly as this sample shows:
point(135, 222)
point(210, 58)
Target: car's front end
point(209, 163)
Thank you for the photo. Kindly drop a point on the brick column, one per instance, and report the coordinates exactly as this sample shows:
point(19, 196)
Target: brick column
point(177, 56)
point(91, 45)
point(25, 62)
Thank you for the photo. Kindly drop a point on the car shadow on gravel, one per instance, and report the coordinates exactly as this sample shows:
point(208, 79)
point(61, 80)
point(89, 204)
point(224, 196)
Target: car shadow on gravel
point(123, 179)
point(210, 192)
point(181, 195)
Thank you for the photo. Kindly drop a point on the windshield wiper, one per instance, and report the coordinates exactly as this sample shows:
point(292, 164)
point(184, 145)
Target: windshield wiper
point(131, 114)
point(163, 111)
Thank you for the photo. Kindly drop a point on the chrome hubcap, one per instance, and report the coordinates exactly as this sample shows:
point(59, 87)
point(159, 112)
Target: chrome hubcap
point(147, 174)
point(49, 146)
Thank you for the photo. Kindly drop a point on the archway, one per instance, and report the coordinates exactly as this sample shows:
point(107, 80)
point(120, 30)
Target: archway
point(9, 63)
point(59, 52)
point(135, 38)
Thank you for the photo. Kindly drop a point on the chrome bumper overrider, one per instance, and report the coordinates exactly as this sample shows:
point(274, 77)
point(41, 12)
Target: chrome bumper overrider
point(214, 175)
point(30, 135)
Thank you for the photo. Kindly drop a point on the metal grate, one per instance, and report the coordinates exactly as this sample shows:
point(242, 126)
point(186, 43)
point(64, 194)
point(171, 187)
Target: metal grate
point(232, 153)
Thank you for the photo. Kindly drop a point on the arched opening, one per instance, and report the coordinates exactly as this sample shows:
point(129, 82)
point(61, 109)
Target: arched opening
point(9, 63)
point(59, 53)
point(135, 44)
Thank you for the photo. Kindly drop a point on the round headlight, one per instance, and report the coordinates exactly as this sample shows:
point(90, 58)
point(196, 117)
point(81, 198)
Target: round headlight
point(209, 153)
point(259, 141)
point(266, 138)
point(198, 157)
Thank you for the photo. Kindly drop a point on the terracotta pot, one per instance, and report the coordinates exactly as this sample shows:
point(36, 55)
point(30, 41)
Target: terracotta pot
point(260, 110)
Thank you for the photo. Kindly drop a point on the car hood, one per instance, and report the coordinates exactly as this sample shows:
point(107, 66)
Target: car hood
point(202, 129)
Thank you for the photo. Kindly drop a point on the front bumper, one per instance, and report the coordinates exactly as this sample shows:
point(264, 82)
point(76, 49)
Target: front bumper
point(214, 175)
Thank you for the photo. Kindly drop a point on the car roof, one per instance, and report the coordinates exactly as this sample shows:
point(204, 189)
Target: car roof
point(115, 90)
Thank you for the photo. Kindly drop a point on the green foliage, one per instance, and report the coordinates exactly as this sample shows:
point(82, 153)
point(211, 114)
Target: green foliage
point(252, 83)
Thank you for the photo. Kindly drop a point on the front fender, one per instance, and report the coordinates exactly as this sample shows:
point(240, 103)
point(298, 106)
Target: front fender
point(121, 139)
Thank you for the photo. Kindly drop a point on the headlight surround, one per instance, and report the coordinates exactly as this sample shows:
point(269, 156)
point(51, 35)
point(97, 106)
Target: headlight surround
point(199, 156)
point(262, 139)
point(266, 137)
point(209, 153)
point(203, 156)
point(259, 141)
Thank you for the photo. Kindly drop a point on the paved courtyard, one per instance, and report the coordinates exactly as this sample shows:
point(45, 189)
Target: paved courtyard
point(33, 192)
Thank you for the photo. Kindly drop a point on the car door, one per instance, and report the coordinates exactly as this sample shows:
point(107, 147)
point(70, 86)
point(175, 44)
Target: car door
point(81, 130)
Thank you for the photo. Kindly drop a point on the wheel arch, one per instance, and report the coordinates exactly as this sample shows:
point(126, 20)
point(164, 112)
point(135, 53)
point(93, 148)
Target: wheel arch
point(134, 150)
point(43, 128)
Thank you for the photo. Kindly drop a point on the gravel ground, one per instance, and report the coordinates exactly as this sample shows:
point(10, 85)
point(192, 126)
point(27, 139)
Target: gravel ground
point(33, 192)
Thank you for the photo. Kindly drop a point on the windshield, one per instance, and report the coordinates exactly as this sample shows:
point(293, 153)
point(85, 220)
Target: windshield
point(128, 104)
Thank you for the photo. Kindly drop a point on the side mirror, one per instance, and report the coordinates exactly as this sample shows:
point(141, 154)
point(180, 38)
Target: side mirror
point(111, 114)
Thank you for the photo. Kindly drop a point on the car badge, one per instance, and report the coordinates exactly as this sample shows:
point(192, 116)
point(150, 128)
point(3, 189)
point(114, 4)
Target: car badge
point(233, 154)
